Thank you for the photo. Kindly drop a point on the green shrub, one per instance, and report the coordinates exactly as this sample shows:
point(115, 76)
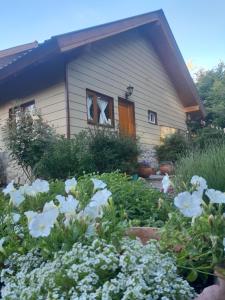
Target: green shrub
point(97, 150)
point(207, 136)
point(172, 148)
point(110, 151)
point(59, 161)
point(27, 137)
point(142, 205)
point(208, 163)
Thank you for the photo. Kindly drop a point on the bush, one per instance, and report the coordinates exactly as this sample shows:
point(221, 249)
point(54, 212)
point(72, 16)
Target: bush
point(142, 205)
point(97, 150)
point(27, 137)
point(207, 136)
point(59, 161)
point(208, 163)
point(172, 148)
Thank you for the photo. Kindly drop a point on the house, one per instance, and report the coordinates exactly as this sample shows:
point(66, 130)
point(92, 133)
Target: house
point(128, 74)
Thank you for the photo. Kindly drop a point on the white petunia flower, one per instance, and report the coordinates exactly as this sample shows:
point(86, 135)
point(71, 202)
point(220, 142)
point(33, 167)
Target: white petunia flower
point(15, 217)
point(100, 198)
point(98, 184)
point(200, 184)
point(2, 240)
point(41, 224)
point(40, 186)
point(9, 188)
point(30, 215)
point(189, 204)
point(215, 196)
point(28, 190)
point(70, 185)
point(166, 183)
point(16, 198)
point(67, 204)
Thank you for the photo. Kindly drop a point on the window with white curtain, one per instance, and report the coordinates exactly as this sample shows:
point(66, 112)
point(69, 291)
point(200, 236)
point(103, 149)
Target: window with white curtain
point(99, 109)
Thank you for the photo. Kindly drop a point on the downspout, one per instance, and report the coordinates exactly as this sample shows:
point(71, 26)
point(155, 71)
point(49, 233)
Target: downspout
point(66, 77)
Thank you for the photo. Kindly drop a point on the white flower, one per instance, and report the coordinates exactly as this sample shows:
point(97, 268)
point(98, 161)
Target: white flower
point(9, 188)
point(94, 208)
point(15, 217)
point(100, 198)
point(215, 196)
point(98, 184)
point(90, 230)
point(2, 240)
point(40, 186)
point(16, 197)
point(70, 185)
point(30, 215)
point(166, 183)
point(67, 204)
point(28, 190)
point(189, 204)
point(41, 224)
point(199, 182)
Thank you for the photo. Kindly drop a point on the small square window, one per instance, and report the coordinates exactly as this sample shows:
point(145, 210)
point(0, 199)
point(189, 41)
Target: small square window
point(24, 107)
point(99, 109)
point(152, 117)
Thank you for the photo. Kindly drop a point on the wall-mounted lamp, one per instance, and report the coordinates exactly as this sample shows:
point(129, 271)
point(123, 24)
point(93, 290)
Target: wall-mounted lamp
point(129, 91)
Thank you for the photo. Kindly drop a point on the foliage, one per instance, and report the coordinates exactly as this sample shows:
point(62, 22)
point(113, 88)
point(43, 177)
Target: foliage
point(60, 160)
point(30, 219)
point(198, 230)
point(211, 88)
point(27, 137)
point(172, 148)
point(96, 271)
point(208, 163)
point(206, 137)
point(140, 204)
point(97, 150)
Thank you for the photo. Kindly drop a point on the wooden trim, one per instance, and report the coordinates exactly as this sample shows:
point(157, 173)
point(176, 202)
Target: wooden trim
point(120, 99)
point(66, 83)
point(156, 117)
point(111, 108)
point(191, 108)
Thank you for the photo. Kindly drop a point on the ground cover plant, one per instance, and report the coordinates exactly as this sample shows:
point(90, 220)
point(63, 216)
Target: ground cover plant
point(65, 240)
point(197, 230)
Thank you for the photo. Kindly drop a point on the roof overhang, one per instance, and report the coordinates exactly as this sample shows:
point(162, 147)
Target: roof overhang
point(155, 27)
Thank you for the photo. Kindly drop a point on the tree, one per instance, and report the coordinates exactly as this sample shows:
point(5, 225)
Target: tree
point(211, 88)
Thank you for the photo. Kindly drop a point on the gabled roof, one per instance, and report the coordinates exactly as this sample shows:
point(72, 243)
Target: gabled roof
point(8, 56)
point(155, 27)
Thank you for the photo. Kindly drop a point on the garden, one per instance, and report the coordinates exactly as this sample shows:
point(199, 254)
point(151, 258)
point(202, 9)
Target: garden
point(77, 229)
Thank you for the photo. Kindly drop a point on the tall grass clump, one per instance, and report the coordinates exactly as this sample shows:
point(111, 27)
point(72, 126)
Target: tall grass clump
point(208, 163)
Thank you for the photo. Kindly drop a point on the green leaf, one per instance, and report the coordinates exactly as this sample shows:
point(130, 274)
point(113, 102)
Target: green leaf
point(192, 276)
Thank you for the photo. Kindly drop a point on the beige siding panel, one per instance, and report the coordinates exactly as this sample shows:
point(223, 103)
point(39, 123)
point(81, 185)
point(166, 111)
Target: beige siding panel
point(51, 103)
point(109, 68)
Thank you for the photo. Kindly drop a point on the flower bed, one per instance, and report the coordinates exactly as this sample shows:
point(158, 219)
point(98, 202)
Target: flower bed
point(65, 241)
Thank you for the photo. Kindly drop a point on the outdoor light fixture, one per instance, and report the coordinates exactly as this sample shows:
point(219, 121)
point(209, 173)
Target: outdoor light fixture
point(129, 91)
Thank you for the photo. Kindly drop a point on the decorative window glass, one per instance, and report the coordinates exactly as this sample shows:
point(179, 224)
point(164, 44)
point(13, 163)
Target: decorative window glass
point(25, 107)
point(99, 109)
point(152, 117)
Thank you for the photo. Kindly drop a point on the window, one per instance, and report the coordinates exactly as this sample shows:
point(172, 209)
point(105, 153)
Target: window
point(25, 107)
point(99, 109)
point(152, 117)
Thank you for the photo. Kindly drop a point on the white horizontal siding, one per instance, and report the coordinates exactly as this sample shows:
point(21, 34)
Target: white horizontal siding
point(51, 103)
point(109, 67)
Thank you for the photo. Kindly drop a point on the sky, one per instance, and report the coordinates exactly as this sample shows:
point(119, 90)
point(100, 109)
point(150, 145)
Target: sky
point(198, 25)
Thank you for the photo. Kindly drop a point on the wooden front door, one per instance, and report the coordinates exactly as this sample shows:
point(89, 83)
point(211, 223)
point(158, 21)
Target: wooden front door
point(126, 117)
